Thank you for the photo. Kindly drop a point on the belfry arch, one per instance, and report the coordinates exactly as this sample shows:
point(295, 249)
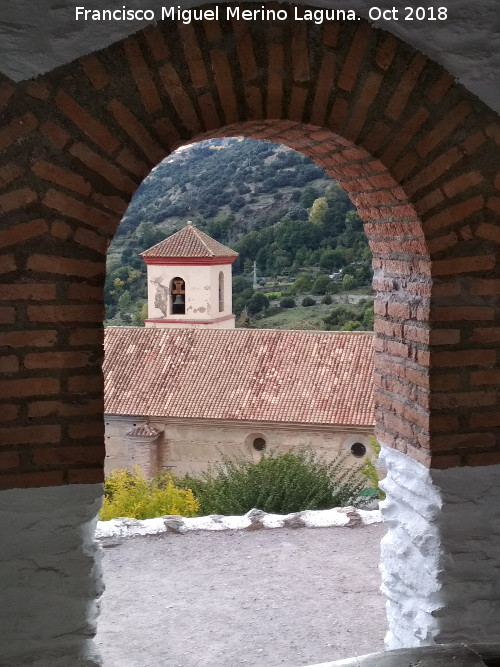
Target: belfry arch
point(418, 156)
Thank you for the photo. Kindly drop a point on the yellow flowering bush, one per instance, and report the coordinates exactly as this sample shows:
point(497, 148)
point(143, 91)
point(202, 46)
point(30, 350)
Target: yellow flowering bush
point(132, 495)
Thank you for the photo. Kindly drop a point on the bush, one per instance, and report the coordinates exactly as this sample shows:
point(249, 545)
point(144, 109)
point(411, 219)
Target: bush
point(308, 301)
point(327, 299)
point(278, 483)
point(132, 495)
point(288, 302)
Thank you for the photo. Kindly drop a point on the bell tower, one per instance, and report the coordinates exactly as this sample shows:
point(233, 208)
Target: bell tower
point(189, 281)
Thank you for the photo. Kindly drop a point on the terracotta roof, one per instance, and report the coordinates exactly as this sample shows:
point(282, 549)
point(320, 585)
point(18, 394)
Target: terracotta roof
point(317, 377)
point(189, 242)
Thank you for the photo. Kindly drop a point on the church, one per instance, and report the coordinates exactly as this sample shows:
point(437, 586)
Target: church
point(189, 387)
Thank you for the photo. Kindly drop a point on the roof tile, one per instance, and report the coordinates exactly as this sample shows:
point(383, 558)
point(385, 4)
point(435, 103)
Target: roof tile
point(189, 242)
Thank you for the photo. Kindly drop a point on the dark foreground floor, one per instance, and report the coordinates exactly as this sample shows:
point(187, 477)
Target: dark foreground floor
point(267, 598)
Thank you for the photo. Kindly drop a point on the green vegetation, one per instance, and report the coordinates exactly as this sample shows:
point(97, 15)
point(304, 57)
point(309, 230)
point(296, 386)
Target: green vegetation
point(278, 483)
point(131, 495)
point(273, 205)
point(369, 470)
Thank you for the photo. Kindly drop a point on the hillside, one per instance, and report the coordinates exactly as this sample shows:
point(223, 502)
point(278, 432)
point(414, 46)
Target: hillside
point(272, 205)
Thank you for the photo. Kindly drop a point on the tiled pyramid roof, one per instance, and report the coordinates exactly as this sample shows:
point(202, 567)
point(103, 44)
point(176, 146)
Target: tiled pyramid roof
point(315, 377)
point(143, 430)
point(189, 242)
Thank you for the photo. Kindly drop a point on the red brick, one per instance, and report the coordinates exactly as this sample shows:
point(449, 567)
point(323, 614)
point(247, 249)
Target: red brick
point(208, 111)
point(493, 203)
point(30, 434)
point(65, 455)
point(60, 229)
point(471, 399)
point(473, 142)
point(39, 89)
point(485, 377)
point(169, 135)
point(80, 431)
point(405, 166)
point(90, 125)
point(245, 50)
point(86, 476)
point(60, 176)
point(493, 131)
point(85, 384)
point(22, 232)
point(433, 171)
point(81, 313)
point(454, 214)
point(485, 419)
point(439, 89)
point(338, 114)
point(212, 30)
point(225, 86)
point(464, 358)
point(90, 336)
point(156, 42)
point(83, 292)
point(9, 460)
point(445, 267)
point(462, 183)
point(483, 459)
point(351, 67)
point(78, 210)
point(441, 423)
point(47, 408)
point(486, 335)
point(9, 413)
point(193, 55)
point(18, 128)
point(56, 359)
point(7, 315)
point(17, 199)
point(442, 243)
point(401, 139)
point(398, 310)
point(104, 168)
point(44, 338)
point(485, 287)
point(456, 313)
point(405, 87)
point(92, 240)
point(367, 97)
point(323, 88)
point(274, 82)
point(65, 266)
point(444, 336)
point(489, 232)
point(461, 440)
point(6, 92)
point(55, 133)
point(443, 129)
point(446, 289)
point(9, 364)
point(446, 461)
point(7, 263)
point(26, 480)
point(445, 382)
point(179, 98)
point(330, 34)
point(132, 163)
point(142, 76)
point(386, 52)
point(300, 53)
point(95, 72)
point(8, 174)
point(29, 387)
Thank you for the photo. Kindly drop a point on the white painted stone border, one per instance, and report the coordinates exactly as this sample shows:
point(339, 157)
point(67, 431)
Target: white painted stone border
point(252, 520)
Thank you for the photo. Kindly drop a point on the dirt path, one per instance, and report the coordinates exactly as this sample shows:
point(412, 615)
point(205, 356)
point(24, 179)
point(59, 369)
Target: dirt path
point(267, 598)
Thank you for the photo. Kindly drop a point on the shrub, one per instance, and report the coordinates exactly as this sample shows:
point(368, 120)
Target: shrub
point(278, 483)
point(369, 470)
point(132, 495)
point(327, 299)
point(288, 302)
point(308, 301)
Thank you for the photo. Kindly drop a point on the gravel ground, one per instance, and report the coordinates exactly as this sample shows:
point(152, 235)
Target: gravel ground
point(225, 599)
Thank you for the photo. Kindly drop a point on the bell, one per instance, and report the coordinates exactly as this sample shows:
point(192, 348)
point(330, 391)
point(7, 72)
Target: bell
point(179, 300)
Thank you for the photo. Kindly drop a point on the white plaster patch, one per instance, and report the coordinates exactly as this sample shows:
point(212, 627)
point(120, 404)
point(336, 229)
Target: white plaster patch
point(50, 575)
point(342, 516)
point(440, 560)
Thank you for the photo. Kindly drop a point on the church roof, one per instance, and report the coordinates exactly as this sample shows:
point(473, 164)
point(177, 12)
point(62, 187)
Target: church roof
point(315, 377)
point(189, 242)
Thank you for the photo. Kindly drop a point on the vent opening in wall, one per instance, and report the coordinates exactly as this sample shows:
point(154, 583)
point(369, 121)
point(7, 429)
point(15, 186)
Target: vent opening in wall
point(259, 444)
point(358, 450)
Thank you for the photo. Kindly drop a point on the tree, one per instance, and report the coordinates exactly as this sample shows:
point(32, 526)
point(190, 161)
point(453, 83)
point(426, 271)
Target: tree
point(321, 285)
point(318, 212)
point(309, 194)
point(288, 302)
point(348, 282)
point(257, 303)
point(302, 283)
point(308, 301)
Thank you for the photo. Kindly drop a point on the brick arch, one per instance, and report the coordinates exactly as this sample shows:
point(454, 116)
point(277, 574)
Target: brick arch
point(416, 153)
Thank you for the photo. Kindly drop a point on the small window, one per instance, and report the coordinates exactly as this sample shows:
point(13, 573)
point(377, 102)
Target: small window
point(259, 444)
point(221, 292)
point(358, 450)
point(177, 296)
